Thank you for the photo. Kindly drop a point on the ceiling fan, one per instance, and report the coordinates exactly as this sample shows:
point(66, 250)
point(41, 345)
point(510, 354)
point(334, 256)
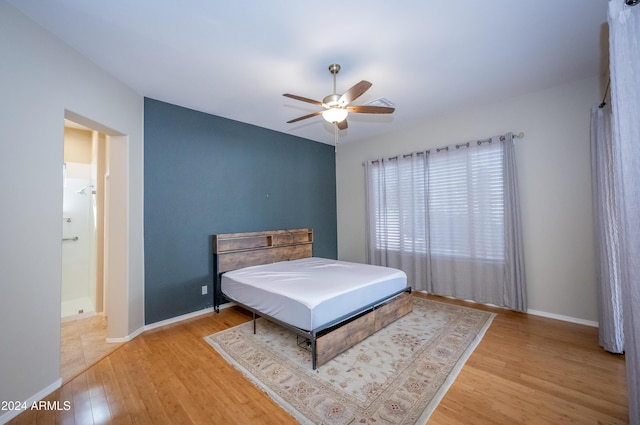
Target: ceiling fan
point(336, 106)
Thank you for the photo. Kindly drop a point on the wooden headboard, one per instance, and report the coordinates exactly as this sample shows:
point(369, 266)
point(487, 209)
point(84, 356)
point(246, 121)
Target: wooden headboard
point(233, 251)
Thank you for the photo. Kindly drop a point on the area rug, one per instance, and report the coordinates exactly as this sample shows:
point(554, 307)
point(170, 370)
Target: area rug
point(396, 376)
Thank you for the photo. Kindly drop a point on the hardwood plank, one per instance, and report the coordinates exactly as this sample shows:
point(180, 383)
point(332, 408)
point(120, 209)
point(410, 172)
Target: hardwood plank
point(123, 363)
point(82, 409)
point(65, 394)
point(526, 370)
point(530, 369)
point(97, 397)
point(113, 393)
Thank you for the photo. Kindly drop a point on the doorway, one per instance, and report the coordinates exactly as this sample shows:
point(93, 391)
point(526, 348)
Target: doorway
point(96, 310)
point(82, 291)
point(84, 325)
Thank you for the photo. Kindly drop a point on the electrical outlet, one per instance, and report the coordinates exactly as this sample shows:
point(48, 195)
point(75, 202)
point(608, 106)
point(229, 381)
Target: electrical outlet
point(204, 289)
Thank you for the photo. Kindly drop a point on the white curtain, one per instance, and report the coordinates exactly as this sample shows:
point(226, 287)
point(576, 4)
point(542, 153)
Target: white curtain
point(515, 293)
point(450, 219)
point(624, 49)
point(396, 215)
point(605, 207)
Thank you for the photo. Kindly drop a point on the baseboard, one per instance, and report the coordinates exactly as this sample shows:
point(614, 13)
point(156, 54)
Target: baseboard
point(31, 400)
point(78, 316)
point(165, 323)
point(45, 392)
point(126, 338)
point(564, 318)
point(539, 313)
point(178, 319)
point(185, 317)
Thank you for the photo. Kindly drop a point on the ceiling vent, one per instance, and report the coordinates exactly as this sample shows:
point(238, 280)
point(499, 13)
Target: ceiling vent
point(381, 102)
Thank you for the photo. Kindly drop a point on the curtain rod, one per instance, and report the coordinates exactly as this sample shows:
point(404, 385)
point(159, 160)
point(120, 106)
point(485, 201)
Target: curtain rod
point(519, 135)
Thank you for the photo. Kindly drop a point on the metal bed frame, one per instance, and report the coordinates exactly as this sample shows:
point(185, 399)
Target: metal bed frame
point(237, 250)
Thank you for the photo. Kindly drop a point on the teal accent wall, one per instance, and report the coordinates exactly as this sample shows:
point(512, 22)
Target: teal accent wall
point(203, 175)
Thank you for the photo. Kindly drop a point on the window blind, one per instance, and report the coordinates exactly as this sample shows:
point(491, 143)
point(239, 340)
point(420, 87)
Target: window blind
point(466, 202)
point(447, 203)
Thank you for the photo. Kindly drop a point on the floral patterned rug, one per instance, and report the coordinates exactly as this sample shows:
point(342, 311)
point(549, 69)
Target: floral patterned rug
point(396, 376)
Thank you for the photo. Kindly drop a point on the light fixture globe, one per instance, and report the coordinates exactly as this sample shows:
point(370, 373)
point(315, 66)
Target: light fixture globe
point(335, 114)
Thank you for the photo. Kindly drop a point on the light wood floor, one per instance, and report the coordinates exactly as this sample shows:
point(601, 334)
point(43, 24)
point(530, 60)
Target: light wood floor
point(526, 370)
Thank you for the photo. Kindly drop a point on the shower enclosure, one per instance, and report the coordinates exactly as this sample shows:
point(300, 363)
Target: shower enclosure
point(78, 242)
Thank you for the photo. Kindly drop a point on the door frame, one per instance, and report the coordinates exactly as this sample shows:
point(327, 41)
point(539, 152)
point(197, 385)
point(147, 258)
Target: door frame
point(116, 223)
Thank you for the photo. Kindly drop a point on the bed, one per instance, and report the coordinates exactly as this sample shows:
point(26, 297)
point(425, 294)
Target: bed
point(331, 304)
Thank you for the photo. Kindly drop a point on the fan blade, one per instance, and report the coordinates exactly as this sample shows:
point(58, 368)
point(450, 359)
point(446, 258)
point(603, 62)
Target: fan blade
point(342, 125)
point(354, 92)
point(303, 99)
point(305, 117)
point(364, 109)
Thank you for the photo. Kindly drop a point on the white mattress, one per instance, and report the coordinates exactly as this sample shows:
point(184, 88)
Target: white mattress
point(311, 292)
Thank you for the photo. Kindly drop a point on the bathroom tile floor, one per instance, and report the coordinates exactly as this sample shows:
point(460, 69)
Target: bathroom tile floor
point(83, 344)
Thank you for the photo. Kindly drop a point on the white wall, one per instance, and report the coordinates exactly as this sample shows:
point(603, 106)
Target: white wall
point(40, 78)
point(555, 187)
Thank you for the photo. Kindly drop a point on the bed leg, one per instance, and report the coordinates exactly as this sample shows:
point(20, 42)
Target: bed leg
point(313, 353)
point(254, 322)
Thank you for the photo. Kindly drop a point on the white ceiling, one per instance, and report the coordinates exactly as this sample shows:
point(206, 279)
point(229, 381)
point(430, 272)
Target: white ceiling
point(235, 59)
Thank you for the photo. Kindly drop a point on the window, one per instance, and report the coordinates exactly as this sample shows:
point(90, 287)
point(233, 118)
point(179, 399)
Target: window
point(448, 203)
point(450, 219)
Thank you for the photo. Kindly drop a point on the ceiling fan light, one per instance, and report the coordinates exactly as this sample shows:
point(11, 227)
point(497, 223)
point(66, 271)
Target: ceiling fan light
point(334, 115)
